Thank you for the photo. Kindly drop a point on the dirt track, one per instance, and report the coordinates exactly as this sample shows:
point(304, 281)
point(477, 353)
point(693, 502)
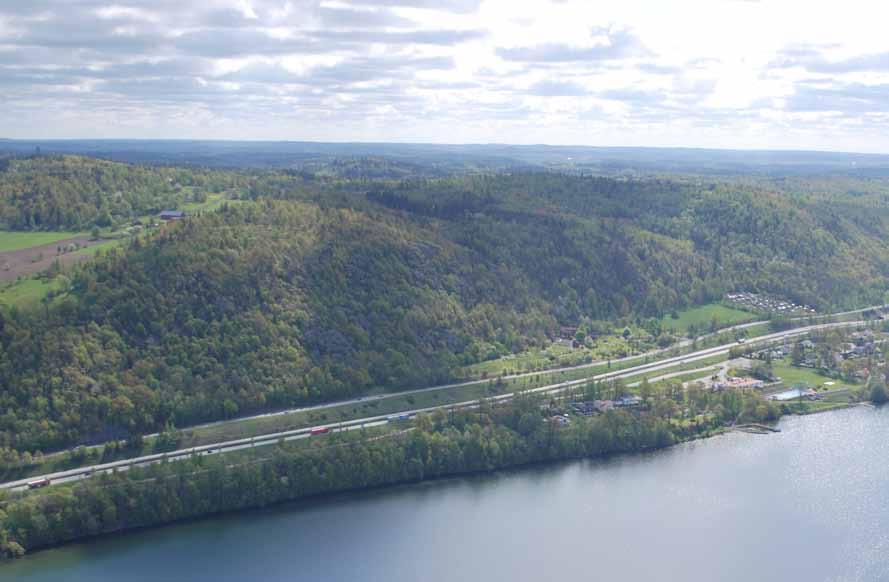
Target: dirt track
point(14, 264)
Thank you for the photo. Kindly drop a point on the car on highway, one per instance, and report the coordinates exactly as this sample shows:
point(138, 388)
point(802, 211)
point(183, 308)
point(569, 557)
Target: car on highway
point(319, 430)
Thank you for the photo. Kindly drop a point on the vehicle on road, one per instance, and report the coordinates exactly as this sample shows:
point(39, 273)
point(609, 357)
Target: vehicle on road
point(398, 418)
point(320, 430)
point(37, 484)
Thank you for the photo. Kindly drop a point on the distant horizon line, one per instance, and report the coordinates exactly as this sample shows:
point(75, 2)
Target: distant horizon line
point(440, 144)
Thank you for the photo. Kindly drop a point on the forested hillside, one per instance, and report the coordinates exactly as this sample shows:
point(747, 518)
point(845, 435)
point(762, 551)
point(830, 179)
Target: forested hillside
point(689, 241)
point(307, 295)
point(74, 193)
point(258, 305)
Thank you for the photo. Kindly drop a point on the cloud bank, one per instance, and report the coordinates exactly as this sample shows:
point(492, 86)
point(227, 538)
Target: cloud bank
point(640, 72)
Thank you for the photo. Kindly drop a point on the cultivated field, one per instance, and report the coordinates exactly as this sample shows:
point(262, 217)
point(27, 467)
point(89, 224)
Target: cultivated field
point(25, 261)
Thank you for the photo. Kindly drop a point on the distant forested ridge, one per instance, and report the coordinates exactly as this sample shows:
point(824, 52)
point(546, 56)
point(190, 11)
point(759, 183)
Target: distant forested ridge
point(307, 290)
point(74, 193)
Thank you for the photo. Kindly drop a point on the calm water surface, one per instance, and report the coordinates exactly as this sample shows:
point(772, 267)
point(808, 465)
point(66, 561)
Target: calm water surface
point(810, 503)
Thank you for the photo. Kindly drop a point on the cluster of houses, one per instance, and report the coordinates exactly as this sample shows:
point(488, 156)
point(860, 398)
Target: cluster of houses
point(757, 302)
point(851, 356)
point(589, 408)
point(860, 345)
point(772, 353)
point(568, 337)
point(165, 215)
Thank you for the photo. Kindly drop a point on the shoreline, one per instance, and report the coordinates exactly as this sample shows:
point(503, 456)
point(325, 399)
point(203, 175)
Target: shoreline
point(719, 431)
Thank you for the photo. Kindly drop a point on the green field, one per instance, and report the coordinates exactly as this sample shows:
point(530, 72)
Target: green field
point(212, 202)
point(11, 240)
point(25, 292)
point(554, 356)
point(691, 376)
point(792, 375)
point(703, 316)
point(105, 245)
point(536, 359)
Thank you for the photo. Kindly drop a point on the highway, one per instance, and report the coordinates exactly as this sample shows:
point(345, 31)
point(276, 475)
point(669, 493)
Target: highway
point(365, 399)
point(240, 444)
point(205, 450)
point(679, 345)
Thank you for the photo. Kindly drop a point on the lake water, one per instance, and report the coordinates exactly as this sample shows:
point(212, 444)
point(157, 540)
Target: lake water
point(810, 503)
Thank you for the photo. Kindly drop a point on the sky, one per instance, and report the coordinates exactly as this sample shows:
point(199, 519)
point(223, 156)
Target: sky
point(736, 74)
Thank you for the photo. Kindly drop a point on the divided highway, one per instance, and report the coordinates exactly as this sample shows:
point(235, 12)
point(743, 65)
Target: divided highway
point(681, 344)
point(240, 444)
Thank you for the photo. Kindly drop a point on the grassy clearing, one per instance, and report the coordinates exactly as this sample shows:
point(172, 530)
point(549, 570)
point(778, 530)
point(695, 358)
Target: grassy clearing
point(792, 375)
point(93, 249)
point(691, 376)
point(212, 202)
point(11, 240)
point(757, 330)
point(26, 292)
point(703, 316)
point(608, 347)
point(535, 359)
point(841, 394)
point(692, 367)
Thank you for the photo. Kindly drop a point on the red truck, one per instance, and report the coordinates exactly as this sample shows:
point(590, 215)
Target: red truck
point(320, 430)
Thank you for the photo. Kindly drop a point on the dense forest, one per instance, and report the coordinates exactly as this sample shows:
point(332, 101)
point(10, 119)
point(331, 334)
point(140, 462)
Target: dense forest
point(440, 444)
point(74, 193)
point(308, 289)
point(688, 241)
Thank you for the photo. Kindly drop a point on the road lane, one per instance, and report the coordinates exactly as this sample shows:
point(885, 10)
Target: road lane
point(377, 420)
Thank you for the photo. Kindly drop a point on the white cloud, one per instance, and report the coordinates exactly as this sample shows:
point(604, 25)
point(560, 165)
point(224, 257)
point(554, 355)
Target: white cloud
point(733, 73)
